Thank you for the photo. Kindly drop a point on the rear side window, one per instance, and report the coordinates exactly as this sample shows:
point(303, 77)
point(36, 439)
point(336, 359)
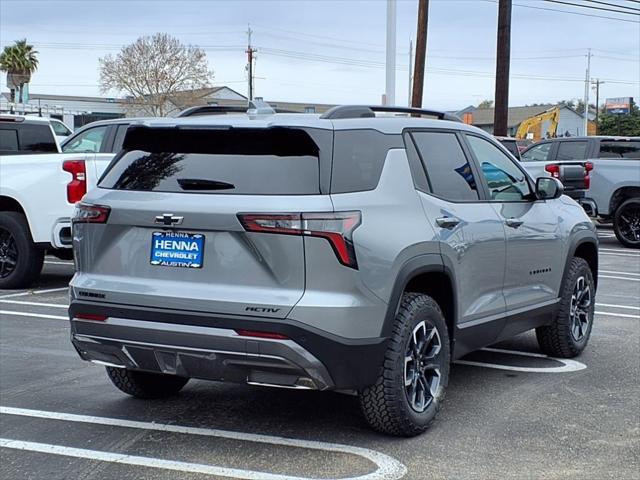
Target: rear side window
point(537, 153)
point(512, 146)
point(8, 140)
point(448, 170)
point(358, 158)
point(617, 149)
point(36, 139)
point(274, 161)
point(119, 139)
point(572, 151)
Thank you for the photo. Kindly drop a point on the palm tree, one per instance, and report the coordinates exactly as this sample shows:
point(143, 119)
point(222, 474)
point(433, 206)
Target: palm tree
point(20, 62)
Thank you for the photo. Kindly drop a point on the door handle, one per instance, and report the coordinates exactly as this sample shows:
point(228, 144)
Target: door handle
point(447, 222)
point(513, 222)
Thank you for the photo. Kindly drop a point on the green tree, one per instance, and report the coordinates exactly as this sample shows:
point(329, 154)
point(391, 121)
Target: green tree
point(485, 104)
point(624, 125)
point(20, 61)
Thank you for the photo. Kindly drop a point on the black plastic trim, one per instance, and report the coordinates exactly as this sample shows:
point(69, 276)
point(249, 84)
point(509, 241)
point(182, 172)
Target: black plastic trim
point(352, 363)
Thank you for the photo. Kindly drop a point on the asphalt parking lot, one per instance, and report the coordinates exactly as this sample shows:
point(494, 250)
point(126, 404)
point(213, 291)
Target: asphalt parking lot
point(510, 412)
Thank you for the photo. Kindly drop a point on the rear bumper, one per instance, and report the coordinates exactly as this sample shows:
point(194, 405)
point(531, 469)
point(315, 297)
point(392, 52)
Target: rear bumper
point(196, 345)
point(61, 234)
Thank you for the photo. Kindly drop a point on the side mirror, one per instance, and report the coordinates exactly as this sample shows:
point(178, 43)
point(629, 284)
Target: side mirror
point(548, 188)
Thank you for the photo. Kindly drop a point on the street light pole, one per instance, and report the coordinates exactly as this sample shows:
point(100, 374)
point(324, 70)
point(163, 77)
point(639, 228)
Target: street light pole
point(390, 87)
point(503, 59)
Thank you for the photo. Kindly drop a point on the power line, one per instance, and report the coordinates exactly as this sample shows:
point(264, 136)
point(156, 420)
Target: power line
point(565, 11)
point(579, 5)
point(613, 5)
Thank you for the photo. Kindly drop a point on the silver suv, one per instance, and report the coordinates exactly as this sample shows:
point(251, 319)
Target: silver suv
point(362, 250)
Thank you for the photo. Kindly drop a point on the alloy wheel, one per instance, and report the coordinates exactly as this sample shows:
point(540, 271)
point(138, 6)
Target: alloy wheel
point(580, 308)
point(629, 223)
point(8, 253)
point(422, 364)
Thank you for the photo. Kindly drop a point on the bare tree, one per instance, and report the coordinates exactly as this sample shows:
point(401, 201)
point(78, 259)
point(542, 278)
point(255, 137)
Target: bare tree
point(153, 70)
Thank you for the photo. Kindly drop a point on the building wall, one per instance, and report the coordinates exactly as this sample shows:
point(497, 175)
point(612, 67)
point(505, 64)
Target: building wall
point(570, 122)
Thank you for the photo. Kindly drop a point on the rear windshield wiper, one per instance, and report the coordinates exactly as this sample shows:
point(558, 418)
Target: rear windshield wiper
point(200, 184)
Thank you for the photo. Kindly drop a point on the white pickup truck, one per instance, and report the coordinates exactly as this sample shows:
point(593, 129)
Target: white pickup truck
point(39, 185)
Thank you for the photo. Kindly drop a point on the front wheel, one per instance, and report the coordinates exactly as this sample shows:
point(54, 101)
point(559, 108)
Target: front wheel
point(146, 385)
point(626, 223)
point(411, 386)
point(20, 260)
point(568, 334)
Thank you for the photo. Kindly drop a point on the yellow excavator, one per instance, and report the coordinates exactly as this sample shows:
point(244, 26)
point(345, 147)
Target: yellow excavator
point(531, 128)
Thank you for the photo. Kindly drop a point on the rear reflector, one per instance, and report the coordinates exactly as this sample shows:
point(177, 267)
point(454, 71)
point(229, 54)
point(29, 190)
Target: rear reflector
point(87, 213)
point(271, 335)
point(90, 316)
point(336, 227)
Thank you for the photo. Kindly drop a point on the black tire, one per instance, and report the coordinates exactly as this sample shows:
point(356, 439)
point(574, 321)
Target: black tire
point(20, 260)
point(564, 338)
point(626, 223)
point(386, 405)
point(146, 385)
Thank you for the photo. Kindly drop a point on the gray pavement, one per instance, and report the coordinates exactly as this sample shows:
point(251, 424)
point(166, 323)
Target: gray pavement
point(539, 418)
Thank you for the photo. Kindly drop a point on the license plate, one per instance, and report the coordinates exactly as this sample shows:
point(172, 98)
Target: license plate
point(177, 249)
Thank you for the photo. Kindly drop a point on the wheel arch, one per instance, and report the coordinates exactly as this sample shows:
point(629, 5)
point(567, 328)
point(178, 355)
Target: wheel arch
point(585, 247)
point(424, 274)
point(622, 194)
point(10, 204)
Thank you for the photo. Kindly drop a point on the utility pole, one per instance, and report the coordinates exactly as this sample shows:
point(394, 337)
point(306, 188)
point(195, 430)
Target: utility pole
point(587, 83)
point(390, 84)
point(503, 59)
point(250, 51)
point(421, 53)
point(410, 71)
point(597, 84)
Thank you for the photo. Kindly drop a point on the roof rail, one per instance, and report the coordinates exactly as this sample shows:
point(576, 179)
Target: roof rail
point(200, 110)
point(368, 111)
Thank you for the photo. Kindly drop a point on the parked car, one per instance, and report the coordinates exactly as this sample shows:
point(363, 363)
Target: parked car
point(510, 144)
point(613, 182)
point(39, 187)
point(347, 251)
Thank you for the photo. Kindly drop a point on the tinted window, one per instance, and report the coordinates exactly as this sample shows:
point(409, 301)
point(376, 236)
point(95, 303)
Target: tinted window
point(282, 161)
point(537, 153)
point(450, 175)
point(36, 138)
point(505, 180)
point(119, 139)
point(88, 141)
point(572, 151)
point(358, 158)
point(512, 146)
point(8, 140)
point(613, 149)
point(60, 129)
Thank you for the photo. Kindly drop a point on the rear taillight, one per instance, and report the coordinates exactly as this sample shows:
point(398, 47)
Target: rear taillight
point(77, 187)
point(553, 169)
point(256, 334)
point(87, 213)
point(336, 227)
point(588, 166)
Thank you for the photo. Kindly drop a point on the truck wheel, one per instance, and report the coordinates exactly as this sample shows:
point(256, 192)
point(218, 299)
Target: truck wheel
point(20, 260)
point(568, 334)
point(146, 385)
point(412, 382)
point(626, 223)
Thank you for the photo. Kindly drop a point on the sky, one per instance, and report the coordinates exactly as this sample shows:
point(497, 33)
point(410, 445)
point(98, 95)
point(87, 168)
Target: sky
point(333, 51)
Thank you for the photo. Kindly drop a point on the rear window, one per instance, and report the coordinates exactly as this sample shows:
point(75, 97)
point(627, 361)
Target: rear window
point(358, 158)
point(8, 140)
point(273, 161)
point(25, 138)
point(512, 146)
point(572, 151)
point(618, 149)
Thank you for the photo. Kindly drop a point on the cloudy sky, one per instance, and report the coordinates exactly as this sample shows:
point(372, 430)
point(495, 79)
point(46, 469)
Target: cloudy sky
point(332, 51)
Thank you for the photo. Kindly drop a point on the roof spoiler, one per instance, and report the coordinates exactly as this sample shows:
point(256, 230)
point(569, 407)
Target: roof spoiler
point(368, 111)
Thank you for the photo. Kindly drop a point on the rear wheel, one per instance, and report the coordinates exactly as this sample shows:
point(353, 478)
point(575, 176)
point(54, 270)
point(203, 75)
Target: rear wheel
point(144, 384)
point(20, 260)
point(410, 389)
point(568, 334)
point(626, 223)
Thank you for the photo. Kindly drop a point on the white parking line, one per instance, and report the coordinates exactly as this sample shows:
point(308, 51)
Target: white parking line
point(621, 273)
point(54, 262)
point(34, 292)
point(388, 468)
point(629, 251)
point(567, 365)
point(38, 315)
point(620, 278)
point(622, 315)
point(34, 304)
point(626, 307)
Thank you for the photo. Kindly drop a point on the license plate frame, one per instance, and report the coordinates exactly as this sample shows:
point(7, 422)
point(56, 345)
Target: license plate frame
point(177, 249)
